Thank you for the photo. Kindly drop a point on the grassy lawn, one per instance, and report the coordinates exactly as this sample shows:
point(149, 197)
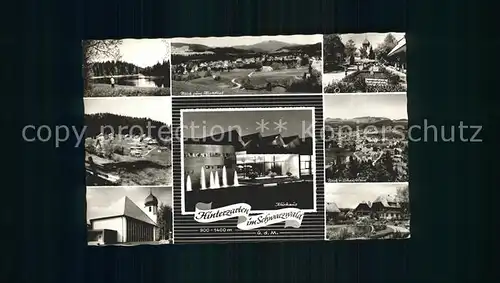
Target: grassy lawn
point(154, 167)
point(346, 232)
point(144, 177)
point(105, 90)
point(205, 85)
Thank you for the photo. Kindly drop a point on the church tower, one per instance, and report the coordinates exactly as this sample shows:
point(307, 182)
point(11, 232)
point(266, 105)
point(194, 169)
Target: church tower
point(366, 43)
point(151, 205)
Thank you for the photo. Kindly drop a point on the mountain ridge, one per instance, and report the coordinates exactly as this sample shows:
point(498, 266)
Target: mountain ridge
point(268, 46)
point(364, 119)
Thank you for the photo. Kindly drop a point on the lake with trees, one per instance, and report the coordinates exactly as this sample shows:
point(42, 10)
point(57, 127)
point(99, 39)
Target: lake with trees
point(132, 74)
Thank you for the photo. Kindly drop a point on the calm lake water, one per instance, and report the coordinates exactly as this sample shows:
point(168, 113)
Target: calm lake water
point(139, 81)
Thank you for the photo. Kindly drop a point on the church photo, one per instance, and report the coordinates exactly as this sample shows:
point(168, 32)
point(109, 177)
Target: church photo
point(129, 215)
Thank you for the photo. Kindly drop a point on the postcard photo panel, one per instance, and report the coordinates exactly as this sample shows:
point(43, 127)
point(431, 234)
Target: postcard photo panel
point(233, 159)
point(128, 141)
point(247, 65)
point(245, 163)
point(126, 67)
point(129, 216)
point(367, 211)
point(366, 138)
point(364, 62)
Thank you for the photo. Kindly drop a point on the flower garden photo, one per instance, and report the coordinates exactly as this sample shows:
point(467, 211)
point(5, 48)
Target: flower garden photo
point(360, 211)
point(369, 62)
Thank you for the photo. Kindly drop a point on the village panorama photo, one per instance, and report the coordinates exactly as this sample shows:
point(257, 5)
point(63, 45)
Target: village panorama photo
point(247, 65)
point(366, 138)
point(259, 156)
point(126, 67)
point(128, 141)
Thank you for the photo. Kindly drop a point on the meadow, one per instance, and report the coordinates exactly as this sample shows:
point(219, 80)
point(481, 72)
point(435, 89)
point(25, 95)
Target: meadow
point(152, 167)
point(241, 81)
point(105, 90)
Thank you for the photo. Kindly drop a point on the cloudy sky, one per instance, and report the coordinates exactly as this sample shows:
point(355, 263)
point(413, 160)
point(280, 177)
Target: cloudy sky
point(249, 40)
point(391, 106)
point(374, 38)
point(100, 199)
point(350, 195)
point(201, 123)
point(158, 108)
point(142, 52)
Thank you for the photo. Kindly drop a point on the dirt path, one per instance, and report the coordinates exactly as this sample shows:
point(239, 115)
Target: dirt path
point(146, 154)
point(237, 85)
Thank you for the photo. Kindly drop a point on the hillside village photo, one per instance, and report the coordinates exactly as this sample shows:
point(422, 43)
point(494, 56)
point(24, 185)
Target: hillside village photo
point(247, 65)
point(365, 62)
point(128, 141)
point(129, 216)
point(366, 138)
point(126, 67)
point(257, 156)
point(367, 211)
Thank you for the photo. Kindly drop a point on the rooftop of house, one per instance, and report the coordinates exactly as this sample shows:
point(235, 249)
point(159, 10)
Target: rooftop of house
point(127, 208)
point(255, 143)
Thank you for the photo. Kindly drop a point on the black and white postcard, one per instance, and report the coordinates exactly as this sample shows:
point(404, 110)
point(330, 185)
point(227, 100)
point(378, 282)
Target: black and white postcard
point(129, 216)
point(247, 65)
point(261, 157)
point(128, 141)
point(367, 211)
point(366, 138)
point(126, 67)
point(364, 62)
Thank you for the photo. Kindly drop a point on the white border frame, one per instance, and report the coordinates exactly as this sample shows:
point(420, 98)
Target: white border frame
point(182, 111)
point(323, 83)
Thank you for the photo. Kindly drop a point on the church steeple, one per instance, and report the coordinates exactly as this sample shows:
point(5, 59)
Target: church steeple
point(366, 43)
point(151, 202)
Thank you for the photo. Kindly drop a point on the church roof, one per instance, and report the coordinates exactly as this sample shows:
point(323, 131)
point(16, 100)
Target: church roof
point(251, 137)
point(386, 201)
point(289, 139)
point(271, 140)
point(366, 42)
point(126, 207)
point(226, 138)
